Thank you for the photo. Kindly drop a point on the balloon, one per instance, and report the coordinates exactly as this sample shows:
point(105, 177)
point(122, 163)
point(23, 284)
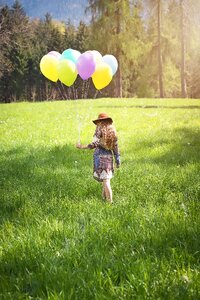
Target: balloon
point(112, 62)
point(71, 54)
point(97, 56)
point(55, 54)
point(102, 76)
point(48, 67)
point(67, 72)
point(86, 65)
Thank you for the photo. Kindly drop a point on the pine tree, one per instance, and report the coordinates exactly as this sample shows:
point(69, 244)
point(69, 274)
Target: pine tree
point(17, 28)
point(117, 29)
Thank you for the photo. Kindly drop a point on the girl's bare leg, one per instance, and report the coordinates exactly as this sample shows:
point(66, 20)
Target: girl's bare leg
point(103, 192)
point(107, 189)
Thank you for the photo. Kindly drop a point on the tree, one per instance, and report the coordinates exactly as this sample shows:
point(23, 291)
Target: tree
point(187, 14)
point(5, 41)
point(81, 37)
point(117, 29)
point(106, 21)
point(159, 51)
point(182, 27)
point(156, 11)
point(16, 25)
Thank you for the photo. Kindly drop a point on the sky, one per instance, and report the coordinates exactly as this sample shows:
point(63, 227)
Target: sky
point(62, 10)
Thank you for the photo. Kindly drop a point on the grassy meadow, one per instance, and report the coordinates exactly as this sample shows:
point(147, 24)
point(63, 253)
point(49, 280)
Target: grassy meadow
point(59, 240)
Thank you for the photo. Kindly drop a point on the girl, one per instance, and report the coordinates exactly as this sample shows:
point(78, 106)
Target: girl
point(106, 146)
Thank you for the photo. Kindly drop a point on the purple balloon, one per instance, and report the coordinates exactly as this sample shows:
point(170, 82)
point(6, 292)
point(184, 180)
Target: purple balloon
point(86, 65)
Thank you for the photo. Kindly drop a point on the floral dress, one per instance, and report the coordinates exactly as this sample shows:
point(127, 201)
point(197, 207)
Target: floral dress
point(103, 158)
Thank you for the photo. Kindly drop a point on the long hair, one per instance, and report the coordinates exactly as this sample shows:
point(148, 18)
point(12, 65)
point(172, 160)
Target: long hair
point(109, 135)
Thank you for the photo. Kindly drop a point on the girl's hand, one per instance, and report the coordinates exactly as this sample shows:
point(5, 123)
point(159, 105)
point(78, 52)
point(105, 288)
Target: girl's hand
point(78, 145)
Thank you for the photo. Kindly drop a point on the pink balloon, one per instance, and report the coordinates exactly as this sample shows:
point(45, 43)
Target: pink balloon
point(55, 54)
point(86, 65)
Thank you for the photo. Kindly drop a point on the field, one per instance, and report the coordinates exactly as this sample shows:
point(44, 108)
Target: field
point(59, 240)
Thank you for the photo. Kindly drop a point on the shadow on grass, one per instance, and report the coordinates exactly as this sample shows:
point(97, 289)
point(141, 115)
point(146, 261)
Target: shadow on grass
point(63, 172)
point(184, 148)
point(38, 175)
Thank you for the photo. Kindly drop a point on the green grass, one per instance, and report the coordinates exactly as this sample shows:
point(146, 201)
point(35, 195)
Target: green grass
point(58, 240)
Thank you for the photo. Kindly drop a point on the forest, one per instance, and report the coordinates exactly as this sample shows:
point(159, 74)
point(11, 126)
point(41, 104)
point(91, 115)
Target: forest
point(156, 43)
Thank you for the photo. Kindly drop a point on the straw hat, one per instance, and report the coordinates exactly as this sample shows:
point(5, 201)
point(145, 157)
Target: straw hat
point(102, 116)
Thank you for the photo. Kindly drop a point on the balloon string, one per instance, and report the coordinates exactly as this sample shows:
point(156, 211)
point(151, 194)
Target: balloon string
point(79, 132)
point(88, 87)
point(77, 114)
point(96, 93)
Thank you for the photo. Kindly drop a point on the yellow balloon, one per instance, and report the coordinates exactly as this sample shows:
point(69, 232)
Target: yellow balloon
point(102, 76)
point(67, 73)
point(49, 67)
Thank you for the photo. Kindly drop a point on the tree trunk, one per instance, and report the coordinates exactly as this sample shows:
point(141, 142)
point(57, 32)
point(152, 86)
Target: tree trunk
point(118, 87)
point(183, 80)
point(118, 81)
point(160, 64)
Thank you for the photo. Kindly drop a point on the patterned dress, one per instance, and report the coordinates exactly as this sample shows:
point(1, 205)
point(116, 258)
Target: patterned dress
point(103, 158)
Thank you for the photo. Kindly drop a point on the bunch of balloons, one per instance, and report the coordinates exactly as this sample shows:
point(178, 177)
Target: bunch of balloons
point(66, 66)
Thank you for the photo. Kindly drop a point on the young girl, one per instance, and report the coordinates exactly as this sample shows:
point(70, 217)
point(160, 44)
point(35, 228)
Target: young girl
point(106, 146)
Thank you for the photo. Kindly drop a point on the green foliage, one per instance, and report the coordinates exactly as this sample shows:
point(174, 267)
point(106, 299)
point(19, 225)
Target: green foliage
point(195, 74)
point(172, 80)
point(15, 25)
point(28, 42)
point(59, 240)
point(82, 37)
point(122, 26)
point(126, 29)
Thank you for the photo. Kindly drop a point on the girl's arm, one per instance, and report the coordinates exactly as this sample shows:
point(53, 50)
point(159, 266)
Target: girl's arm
point(79, 146)
point(116, 155)
point(95, 142)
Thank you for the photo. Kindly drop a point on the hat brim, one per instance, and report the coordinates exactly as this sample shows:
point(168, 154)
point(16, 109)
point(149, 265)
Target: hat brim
point(102, 119)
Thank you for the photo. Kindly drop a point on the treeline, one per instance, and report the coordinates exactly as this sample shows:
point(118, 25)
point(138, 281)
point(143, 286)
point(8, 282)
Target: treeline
point(156, 42)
